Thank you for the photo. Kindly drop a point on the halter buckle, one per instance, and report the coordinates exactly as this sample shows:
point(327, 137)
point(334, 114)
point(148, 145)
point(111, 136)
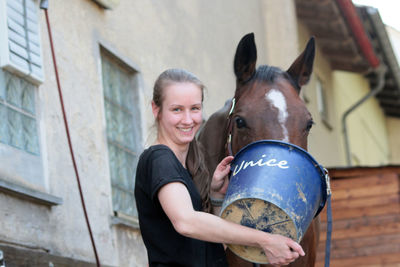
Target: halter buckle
point(328, 182)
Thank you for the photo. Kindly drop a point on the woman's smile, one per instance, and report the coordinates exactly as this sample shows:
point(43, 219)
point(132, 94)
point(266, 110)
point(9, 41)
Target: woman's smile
point(186, 129)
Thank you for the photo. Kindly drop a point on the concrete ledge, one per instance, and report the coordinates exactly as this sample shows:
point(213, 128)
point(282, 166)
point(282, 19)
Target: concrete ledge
point(29, 194)
point(122, 220)
point(17, 256)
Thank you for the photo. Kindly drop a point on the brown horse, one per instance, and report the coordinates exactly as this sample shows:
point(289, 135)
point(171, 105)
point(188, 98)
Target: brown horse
point(268, 106)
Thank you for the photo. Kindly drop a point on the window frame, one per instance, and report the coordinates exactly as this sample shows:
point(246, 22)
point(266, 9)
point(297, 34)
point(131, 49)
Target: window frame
point(119, 217)
point(29, 182)
point(322, 104)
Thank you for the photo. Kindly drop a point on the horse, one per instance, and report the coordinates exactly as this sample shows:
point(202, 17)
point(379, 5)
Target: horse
point(266, 105)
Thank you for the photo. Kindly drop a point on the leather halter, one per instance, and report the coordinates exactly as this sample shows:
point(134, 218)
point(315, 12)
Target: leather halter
point(229, 126)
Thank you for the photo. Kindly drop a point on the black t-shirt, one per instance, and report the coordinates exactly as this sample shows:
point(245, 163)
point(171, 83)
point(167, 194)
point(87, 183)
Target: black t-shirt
point(158, 166)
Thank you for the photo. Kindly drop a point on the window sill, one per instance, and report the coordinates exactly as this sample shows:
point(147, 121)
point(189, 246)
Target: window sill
point(29, 194)
point(125, 220)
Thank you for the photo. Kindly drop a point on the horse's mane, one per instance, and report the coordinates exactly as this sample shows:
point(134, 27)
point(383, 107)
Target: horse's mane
point(270, 74)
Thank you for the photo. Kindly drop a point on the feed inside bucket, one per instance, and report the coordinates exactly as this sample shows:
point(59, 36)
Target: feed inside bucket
point(261, 215)
point(274, 187)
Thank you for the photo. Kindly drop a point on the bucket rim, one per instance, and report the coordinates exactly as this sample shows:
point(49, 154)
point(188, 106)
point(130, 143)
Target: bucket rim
point(319, 167)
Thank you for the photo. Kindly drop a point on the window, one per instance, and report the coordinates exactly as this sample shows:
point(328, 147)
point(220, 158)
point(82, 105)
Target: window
point(21, 165)
point(20, 157)
point(123, 131)
point(322, 103)
point(20, 50)
point(17, 110)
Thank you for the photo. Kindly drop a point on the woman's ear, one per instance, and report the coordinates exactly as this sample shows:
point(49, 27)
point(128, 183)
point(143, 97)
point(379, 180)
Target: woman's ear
point(155, 109)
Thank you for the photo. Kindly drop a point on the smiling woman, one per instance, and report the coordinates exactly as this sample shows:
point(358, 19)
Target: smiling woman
point(166, 179)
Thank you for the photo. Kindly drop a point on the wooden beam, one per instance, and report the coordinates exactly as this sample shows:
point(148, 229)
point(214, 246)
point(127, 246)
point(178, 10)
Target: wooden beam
point(362, 171)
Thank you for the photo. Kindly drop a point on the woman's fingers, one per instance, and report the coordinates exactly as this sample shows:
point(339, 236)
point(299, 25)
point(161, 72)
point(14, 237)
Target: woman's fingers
point(224, 186)
point(295, 255)
point(223, 168)
point(283, 250)
point(295, 247)
point(219, 177)
point(226, 161)
point(288, 260)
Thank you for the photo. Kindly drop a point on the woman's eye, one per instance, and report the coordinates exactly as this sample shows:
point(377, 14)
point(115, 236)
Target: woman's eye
point(176, 109)
point(240, 122)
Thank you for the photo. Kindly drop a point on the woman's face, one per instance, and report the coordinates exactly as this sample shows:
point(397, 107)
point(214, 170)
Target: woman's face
point(181, 114)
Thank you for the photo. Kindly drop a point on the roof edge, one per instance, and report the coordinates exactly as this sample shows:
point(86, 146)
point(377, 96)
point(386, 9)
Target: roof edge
point(353, 171)
point(385, 43)
point(354, 22)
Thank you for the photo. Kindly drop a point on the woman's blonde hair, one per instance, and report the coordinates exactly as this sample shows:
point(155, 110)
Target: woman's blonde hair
point(195, 161)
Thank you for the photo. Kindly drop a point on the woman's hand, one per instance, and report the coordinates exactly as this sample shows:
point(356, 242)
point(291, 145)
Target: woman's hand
point(220, 181)
point(281, 250)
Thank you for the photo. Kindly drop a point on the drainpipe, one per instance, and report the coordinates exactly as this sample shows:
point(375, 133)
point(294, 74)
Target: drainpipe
point(380, 71)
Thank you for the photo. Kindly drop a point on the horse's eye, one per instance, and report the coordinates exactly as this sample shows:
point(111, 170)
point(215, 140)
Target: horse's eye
point(310, 123)
point(240, 122)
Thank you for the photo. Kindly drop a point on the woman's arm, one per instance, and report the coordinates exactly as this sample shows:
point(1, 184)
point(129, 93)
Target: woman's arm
point(176, 202)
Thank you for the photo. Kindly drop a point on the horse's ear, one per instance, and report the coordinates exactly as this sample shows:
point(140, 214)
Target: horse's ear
point(245, 58)
point(301, 69)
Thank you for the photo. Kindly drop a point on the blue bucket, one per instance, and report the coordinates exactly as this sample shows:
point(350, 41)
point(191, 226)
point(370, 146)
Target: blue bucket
point(275, 187)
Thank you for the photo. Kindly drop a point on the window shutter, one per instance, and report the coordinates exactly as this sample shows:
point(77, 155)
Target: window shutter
point(20, 39)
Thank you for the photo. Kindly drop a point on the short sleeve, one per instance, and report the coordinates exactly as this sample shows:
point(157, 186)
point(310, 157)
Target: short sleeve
point(164, 169)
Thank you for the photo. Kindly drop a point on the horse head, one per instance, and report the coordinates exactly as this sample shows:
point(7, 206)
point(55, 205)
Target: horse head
point(267, 103)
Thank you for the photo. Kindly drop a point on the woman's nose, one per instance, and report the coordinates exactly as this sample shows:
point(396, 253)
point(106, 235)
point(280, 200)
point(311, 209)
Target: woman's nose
point(187, 117)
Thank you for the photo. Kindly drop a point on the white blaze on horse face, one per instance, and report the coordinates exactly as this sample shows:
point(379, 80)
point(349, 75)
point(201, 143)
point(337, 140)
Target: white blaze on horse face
point(277, 100)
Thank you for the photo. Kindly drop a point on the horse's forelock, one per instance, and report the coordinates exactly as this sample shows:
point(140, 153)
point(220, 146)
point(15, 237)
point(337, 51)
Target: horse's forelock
point(270, 74)
point(267, 73)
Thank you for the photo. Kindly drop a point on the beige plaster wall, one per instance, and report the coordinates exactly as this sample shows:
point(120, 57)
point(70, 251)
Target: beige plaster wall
point(324, 140)
point(368, 135)
point(280, 33)
point(393, 129)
